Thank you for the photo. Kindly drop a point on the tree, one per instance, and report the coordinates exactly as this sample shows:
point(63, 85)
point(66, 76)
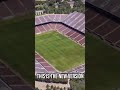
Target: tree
point(51, 86)
point(47, 86)
point(61, 88)
point(36, 89)
point(54, 88)
point(62, 7)
point(58, 87)
point(76, 85)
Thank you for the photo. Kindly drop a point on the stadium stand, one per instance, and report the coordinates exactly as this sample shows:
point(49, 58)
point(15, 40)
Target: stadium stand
point(4, 86)
point(109, 6)
point(63, 25)
point(42, 66)
point(79, 69)
point(11, 8)
point(74, 20)
point(9, 80)
point(105, 26)
point(70, 25)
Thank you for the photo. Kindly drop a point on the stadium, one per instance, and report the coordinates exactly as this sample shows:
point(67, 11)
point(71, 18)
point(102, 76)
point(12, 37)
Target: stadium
point(60, 43)
point(103, 21)
point(19, 7)
point(12, 14)
point(103, 38)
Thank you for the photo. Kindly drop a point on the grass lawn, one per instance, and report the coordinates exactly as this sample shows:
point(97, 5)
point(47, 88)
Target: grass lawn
point(102, 65)
point(16, 41)
point(60, 51)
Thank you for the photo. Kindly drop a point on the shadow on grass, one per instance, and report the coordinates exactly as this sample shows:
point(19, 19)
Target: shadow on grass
point(17, 46)
point(102, 65)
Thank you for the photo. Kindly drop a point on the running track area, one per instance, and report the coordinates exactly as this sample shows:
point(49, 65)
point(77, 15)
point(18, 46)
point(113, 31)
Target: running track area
point(11, 8)
point(70, 25)
point(10, 80)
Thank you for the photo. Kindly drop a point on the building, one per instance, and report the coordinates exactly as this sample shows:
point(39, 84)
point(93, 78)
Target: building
point(71, 3)
point(40, 12)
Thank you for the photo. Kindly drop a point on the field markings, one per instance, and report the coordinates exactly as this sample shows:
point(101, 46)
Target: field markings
point(55, 70)
point(68, 38)
point(61, 30)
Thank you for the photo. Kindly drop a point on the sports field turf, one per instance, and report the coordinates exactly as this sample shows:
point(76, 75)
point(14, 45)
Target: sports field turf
point(16, 40)
point(103, 65)
point(61, 52)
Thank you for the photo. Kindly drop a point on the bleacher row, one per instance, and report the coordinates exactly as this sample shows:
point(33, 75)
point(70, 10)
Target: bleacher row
point(62, 29)
point(42, 66)
point(79, 69)
point(104, 27)
point(11, 8)
point(74, 20)
point(110, 6)
point(49, 18)
point(71, 26)
point(13, 81)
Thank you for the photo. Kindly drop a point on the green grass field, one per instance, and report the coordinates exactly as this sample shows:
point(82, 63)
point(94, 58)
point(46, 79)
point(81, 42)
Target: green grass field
point(16, 40)
point(102, 65)
point(60, 51)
